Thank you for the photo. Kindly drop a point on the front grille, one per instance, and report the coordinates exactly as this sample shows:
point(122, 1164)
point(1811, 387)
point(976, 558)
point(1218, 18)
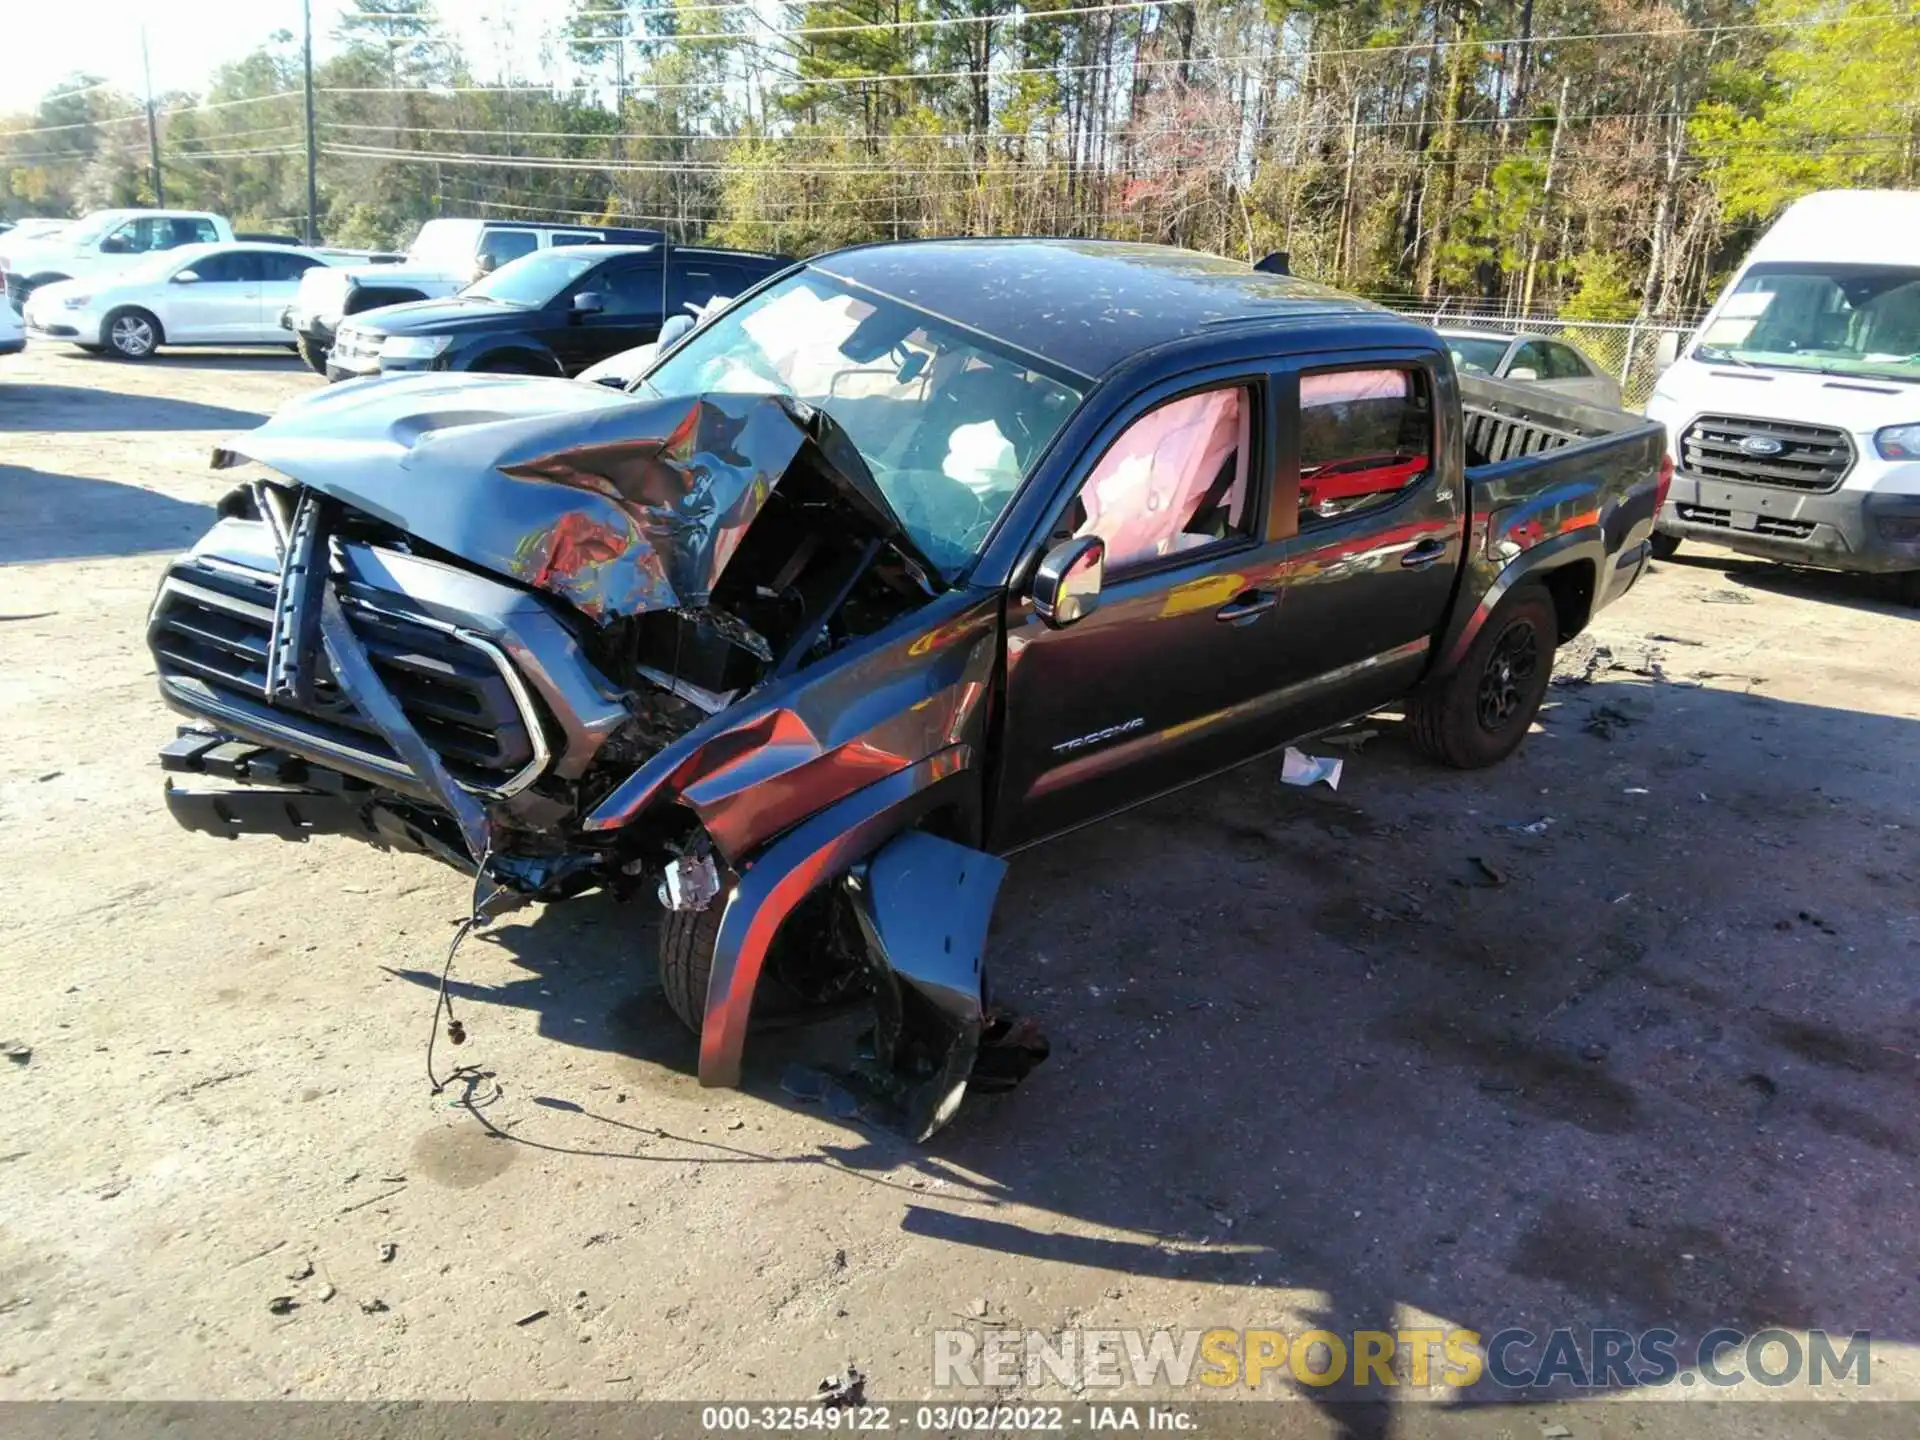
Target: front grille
point(1811, 458)
point(1778, 526)
point(211, 626)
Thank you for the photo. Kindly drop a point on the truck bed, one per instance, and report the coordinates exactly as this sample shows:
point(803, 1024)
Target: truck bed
point(1507, 422)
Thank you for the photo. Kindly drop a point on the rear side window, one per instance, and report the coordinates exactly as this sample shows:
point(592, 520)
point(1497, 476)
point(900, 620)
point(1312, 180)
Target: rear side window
point(1175, 480)
point(1365, 437)
point(577, 237)
point(699, 282)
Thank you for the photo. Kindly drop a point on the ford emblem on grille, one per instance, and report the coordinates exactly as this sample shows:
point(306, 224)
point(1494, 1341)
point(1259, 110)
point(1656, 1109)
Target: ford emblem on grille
point(1761, 445)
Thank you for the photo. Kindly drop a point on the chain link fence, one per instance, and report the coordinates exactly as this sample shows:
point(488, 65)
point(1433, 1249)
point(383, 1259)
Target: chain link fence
point(1628, 350)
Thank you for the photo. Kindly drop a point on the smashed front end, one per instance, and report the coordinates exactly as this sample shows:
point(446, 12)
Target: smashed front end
point(578, 640)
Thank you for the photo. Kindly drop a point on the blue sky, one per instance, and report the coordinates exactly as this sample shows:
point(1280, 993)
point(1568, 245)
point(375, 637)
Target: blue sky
point(48, 40)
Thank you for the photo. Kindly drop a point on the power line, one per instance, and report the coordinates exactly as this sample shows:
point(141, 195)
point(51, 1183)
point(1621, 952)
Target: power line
point(141, 115)
point(761, 34)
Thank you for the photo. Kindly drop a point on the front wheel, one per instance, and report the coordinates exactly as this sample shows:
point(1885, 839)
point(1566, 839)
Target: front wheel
point(687, 938)
point(812, 965)
point(132, 334)
point(314, 355)
point(1479, 714)
point(1665, 546)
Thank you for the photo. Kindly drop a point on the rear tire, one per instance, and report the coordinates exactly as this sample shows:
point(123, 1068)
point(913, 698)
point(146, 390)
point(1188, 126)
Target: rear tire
point(1665, 546)
point(503, 367)
point(314, 355)
point(1479, 714)
point(1906, 588)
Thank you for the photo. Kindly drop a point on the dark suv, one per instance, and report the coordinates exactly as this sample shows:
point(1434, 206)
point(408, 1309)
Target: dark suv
point(553, 312)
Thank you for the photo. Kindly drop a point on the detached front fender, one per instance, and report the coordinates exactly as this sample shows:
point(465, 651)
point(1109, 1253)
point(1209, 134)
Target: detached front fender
point(788, 870)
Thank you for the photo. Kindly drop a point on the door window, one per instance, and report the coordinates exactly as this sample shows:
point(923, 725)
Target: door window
point(1563, 363)
point(1366, 435)
point(627, 290)
point(285, 267)
point(1531, 356)
point(1175, 480)
point(136, 237)
point(497, 247)
point(233, 267)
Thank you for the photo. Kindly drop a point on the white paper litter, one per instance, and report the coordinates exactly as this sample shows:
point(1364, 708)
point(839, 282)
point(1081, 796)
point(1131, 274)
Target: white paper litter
point(1298, 769)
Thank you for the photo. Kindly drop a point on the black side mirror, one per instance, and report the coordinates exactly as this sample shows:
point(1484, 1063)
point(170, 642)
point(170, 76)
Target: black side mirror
point(1066, 586)
point(114, 245)
point(589, 302)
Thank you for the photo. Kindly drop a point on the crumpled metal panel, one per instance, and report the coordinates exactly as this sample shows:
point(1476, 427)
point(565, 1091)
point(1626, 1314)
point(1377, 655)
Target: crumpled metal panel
point(924, 905)
point(783, 753)
point(616, 504)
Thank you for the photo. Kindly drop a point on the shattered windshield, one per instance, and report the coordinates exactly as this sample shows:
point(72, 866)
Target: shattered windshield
point(1858, 320)
point(947, 422)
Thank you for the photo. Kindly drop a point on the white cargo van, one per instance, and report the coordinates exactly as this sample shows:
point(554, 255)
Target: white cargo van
point(1794, 416)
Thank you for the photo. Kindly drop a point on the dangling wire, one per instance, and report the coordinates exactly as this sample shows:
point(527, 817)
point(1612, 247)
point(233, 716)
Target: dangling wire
point(443, 1003)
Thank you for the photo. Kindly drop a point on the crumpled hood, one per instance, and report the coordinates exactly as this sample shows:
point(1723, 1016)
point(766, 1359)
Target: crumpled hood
point(614, 503)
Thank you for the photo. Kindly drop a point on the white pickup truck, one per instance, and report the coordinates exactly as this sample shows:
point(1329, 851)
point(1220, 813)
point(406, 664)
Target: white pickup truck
point(102, 241)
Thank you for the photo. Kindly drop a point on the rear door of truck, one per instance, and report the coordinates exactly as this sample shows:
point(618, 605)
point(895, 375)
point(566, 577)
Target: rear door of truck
point(1370, 507)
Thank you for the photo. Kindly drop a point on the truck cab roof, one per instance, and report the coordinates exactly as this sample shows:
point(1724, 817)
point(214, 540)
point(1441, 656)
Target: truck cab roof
point(1088, 306)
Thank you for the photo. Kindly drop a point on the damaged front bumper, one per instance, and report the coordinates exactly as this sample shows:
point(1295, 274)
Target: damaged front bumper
point(351, 669)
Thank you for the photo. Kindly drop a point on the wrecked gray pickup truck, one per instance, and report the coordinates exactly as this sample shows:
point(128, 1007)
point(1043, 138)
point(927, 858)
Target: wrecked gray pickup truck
point(916, 555)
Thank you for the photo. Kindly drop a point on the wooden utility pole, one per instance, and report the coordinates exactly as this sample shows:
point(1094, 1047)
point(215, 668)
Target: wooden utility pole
point(153, 131)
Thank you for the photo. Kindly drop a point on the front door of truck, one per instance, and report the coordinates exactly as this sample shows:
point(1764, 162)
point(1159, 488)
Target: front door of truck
point(1162, 682)
point(1370, 490)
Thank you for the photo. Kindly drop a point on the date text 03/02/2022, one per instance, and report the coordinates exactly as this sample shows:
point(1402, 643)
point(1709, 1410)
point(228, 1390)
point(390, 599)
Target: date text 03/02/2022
point(947, 1420)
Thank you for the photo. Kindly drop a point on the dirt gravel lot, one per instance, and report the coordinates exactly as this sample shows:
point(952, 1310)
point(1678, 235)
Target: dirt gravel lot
point(1351, 1061)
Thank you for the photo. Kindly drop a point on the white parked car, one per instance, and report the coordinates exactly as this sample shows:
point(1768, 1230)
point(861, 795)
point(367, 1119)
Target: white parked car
point(1534, 360)
point(229, 294)
point(99, 243)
